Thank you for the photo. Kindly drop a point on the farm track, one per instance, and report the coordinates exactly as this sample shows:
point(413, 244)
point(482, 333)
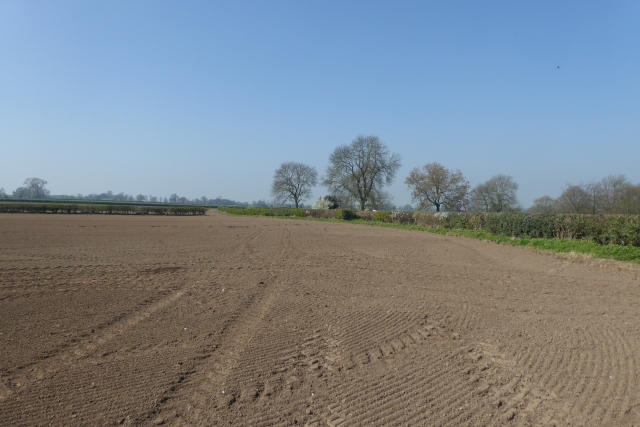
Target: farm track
point(219, 320)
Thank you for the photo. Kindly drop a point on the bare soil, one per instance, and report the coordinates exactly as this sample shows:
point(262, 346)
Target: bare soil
point(220, 320)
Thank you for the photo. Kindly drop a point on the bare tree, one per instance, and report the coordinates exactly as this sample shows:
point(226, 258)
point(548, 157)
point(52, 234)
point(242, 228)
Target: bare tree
point(173, 198)
point(480, 198)
point(205, 200)
point(435, 185)
point(498, 194)
point(293, 182)
point(141, 198)
point(544, 204)
point(574, 199)
point(361, 169)
point(612, 190)
point(2, 193)
point(630, 200)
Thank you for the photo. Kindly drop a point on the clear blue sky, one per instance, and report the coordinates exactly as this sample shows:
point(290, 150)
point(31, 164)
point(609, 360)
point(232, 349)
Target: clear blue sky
point(209, 97)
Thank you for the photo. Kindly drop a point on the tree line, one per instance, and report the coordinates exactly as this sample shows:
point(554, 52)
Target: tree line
point(35, 188)
point(358, 173)
point(614, 194)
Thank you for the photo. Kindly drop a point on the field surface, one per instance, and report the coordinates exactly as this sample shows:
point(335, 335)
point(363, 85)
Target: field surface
point(221, 320)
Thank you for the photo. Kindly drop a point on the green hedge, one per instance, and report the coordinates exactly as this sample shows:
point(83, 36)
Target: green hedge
point(99, 209)
point(621, 230)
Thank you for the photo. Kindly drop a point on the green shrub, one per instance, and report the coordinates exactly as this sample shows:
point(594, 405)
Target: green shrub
point(382, 216)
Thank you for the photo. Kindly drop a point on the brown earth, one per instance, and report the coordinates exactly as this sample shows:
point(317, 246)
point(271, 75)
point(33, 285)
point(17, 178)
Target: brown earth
point(220, 320)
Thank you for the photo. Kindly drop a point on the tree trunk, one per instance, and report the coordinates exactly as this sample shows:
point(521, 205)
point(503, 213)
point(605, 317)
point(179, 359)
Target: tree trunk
point(362, 205)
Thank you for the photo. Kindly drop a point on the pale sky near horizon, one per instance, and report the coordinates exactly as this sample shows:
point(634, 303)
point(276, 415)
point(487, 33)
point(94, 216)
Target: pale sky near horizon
point(210, 97)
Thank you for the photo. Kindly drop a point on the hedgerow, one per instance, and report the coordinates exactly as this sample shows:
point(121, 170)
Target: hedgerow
point(99, 209)
point(621, 230)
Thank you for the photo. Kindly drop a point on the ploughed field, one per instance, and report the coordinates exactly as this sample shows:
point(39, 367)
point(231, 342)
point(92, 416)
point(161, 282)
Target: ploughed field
point(221, 320)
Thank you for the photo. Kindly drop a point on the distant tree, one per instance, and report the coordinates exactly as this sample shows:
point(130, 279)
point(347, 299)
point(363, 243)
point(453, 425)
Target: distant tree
point(165, 200)
point(574, 199)
point(406, 208)
point(33, 188)
point(596, 196)
point(293, 182)
point(182, 199)
point(613, 189)
point(480, 199)
point(21, 192)
point(2, 193)
point(141, 198)
point(544, 204)
point(173, 198)
point(361, 170)
point(204, 199)
point(153, 199)
point(36, 187)
point(434, 185)
point(629, 202)
point(498, 194)
point(260, 204)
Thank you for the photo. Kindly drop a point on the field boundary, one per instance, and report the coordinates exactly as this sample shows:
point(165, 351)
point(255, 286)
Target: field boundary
point(554, 245)
point(104, 209)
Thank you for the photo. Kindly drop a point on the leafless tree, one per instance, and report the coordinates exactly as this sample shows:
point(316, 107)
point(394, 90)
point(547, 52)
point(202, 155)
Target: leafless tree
point(361, 169)
point(498, 194)
point(293, 182)
point(2, 193)
point(480, 198)
point(173, 198)
point(435, 185)
point(205, 200)
point(593, 197)
point(141, 198)
point(544, 204)
point(612, 190)
point(574, 199)
point(629, 202)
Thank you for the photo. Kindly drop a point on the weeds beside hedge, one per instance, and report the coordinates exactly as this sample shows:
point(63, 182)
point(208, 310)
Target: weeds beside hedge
point(623, 230)
point(99, 209)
